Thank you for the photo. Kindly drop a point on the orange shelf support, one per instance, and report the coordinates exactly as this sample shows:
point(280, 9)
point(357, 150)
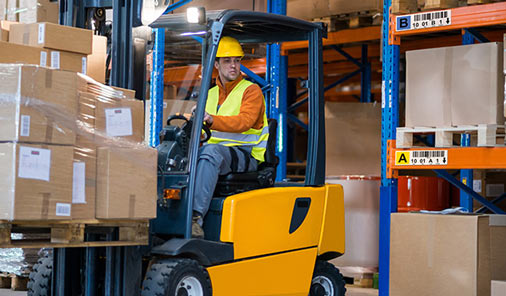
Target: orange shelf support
point(458, 158)
point(462, 17)
point(339, 37)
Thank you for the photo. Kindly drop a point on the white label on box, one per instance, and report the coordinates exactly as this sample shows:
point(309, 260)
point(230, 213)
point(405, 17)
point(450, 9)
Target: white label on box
point(34, 163)
point(494, 190)
point(25, 126)
point(118, 122)
point(55, 59)
point(84, 65)
point(424, 20)
point(164, 105)
point(78, 183)
point(43, 58)
point(477, 186)
point(62, 209)
point(42, 31)
point(421, 157)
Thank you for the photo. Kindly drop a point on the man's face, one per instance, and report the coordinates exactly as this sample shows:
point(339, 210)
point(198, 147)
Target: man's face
point(229, 68)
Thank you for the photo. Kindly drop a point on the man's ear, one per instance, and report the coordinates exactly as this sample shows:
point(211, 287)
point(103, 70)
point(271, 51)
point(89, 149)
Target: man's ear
point(216, 64)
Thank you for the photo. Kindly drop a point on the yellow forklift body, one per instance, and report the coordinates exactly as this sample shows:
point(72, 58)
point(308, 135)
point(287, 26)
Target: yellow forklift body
point(281, 274)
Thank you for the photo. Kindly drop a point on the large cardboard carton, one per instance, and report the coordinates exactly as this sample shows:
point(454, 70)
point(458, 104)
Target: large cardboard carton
point(449, 254)
point(458, 85)
point(69, 61)
point(126, 183)
point(21, 54)
point(39, 105)
point(477, 84)
point(36, 11)
point(36, 181)
point(498, 288)
point(97, 59)
point(353, 137)
point(53, 36)
point(109, 118)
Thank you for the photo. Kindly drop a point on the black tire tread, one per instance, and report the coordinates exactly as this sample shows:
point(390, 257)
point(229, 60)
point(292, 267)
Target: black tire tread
point(39, 281)
point(156, 278)
point(330, 270)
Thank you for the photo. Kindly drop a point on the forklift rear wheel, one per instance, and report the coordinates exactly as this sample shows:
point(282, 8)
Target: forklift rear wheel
point(177, 277)
point(39, 282)
point(327, 280)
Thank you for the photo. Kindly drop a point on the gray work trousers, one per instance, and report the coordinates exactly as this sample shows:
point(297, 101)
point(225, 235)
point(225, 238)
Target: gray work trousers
point(215, 160)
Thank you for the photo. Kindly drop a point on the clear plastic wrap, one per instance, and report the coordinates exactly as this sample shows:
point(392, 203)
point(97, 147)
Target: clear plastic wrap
point(16, 260)
point(32, 11)
point(103, 128)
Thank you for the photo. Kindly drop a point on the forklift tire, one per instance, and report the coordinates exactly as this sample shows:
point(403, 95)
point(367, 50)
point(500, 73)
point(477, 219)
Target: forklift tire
point(39, 282)
point(174, 277)
point(327, 280)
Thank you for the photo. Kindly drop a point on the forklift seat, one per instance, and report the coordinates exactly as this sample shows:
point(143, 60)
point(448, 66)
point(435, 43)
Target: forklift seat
point(263, 177)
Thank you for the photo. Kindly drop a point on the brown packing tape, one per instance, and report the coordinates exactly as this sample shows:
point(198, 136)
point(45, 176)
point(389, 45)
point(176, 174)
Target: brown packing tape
point(26, 38)
point(131, 206)
point(49, 78)
point(49, 130)
point(45, 205)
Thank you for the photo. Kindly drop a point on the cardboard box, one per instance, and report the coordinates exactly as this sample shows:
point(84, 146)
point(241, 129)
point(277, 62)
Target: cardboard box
point(497, 226)
point(84, 179)
point(498, 288)
point(459, 85)
point(53, 36)
point(445, 254)
point(97, 59)
point(119, 118)
point(321, 8)
point(68, 61)
point(434, 4)
point(4, 28)
point(126, 183)
point(21, 54)
point(353, 139)
point(39, 105)
point(36, 11)
point(36, 181)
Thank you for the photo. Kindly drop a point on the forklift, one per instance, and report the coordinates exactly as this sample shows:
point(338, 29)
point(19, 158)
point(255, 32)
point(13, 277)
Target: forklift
point(261, 237)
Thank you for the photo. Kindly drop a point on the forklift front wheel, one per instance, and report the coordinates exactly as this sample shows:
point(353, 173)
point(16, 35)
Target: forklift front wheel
point(176, 277)
point(327, 280)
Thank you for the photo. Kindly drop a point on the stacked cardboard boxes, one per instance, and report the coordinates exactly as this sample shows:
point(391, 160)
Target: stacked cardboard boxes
point(66, 48)
point(52, 125)
point(36, 149)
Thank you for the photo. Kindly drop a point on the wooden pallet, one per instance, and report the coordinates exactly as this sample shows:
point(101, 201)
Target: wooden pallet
point(483, 135)
point(351, 20)
point(13, 281)
point(75, 233)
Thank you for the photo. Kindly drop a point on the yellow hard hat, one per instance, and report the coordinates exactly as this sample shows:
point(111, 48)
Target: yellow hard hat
point(229, 47)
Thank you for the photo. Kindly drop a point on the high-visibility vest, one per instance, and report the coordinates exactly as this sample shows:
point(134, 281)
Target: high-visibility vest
point(255, 138)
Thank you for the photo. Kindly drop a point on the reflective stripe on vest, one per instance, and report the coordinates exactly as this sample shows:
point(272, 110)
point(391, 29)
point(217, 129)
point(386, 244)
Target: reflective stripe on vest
point(230, 107)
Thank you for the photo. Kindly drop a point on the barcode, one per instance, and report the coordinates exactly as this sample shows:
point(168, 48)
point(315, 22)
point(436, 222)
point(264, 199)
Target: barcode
point(62, 209)
point(430, 16)
point(429, 153)
point(25, 126)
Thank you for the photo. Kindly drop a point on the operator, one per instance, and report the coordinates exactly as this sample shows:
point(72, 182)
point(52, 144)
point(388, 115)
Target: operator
point(235, 113)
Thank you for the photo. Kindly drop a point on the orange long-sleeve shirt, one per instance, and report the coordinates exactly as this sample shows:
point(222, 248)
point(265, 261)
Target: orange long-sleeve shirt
point(251, 112)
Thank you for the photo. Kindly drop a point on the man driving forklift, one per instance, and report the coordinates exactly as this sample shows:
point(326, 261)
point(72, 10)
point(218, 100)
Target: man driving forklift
point(235, 112)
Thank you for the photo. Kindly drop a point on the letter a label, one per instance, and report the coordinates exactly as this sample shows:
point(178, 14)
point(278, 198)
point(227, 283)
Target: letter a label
point(402, 158)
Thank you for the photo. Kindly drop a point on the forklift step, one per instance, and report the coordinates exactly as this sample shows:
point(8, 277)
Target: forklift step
point(74, 233)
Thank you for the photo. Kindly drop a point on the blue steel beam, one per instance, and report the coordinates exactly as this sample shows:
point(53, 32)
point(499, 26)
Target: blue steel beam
point(347, 56)
point(389, 124)
point(365, 79)
point(297, 121)
point(466, 177)
point(448, 177)
point(473, 34)
point(494, 201)
point(156, 88)
point(277, 76)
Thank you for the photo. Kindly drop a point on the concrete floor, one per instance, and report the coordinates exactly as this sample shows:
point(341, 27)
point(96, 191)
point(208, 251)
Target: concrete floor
point(352, 291)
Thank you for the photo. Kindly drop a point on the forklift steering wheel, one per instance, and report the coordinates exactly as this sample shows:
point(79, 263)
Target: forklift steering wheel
point(189, 123)
point(176, 116)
